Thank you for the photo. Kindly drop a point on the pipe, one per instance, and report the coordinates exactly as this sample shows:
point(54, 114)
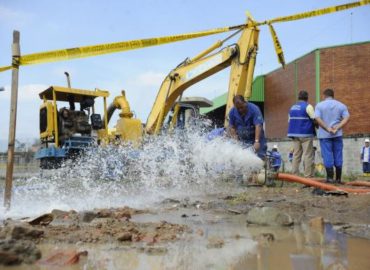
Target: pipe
point(314, 183)
point(70, 97)
point(110, 110)
point(119, 102)
point(68, 79)
point(359, 183)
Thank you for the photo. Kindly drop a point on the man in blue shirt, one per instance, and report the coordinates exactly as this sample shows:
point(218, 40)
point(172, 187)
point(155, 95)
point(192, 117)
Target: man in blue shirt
point(332, 116)
point(301, 129)
point(275, 158)
point(246, 124)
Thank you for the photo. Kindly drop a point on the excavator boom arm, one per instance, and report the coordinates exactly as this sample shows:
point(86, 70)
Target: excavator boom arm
point(241, 58)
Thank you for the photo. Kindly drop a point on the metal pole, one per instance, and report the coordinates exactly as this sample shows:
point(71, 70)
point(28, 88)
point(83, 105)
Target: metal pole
point(56, 131)
point(16, 52)
point(105, 116)
point(68, 79)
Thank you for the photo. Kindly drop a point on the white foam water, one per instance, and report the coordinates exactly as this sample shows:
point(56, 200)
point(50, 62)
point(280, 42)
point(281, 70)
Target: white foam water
point(176, 164)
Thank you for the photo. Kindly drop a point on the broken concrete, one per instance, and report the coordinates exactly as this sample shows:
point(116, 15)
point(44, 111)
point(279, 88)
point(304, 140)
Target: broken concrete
point(268, 216)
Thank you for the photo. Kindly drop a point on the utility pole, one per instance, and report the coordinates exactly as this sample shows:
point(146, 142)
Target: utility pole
point(351, 28)
point(16, 52)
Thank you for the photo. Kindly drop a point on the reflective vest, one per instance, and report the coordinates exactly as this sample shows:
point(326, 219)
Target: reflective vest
point(300, 124)
point(363, 154)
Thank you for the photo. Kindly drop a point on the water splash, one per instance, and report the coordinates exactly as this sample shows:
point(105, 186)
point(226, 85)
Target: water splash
point(178, 164)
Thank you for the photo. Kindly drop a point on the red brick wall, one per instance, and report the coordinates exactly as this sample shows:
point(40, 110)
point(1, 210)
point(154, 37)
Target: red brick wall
point(346, 70)
point(306, 71)
point(281, 89)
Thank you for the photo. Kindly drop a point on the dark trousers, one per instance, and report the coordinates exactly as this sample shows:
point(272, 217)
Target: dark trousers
point(366, 167)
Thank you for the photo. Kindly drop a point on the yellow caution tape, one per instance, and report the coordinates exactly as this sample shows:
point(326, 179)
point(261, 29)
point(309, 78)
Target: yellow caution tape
point(317, 12)
point(278, 49)
point(5, 68)
point(88, 51)
point(308, 14)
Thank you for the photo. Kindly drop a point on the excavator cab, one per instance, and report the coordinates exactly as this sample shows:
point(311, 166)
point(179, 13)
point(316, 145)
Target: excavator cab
point(188, 112)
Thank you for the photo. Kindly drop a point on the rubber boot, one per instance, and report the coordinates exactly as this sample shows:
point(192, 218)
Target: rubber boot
point(338, 175)
point(329, 175)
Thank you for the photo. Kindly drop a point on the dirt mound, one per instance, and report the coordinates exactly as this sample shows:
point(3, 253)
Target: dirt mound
point(97, 226)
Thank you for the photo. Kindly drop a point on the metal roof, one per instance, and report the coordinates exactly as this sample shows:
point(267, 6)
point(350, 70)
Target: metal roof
point(201, 102)
point(217, 103)
point(258, 95)
point(62, 93)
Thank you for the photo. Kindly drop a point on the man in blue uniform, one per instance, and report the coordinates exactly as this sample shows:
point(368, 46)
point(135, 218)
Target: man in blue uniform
point(246, 124)
point(365, 157)
point(302, 130)
point(332, 116)
point(276, 158)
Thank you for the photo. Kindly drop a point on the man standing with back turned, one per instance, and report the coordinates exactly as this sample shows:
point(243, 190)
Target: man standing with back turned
point(302, 130)
point(332, 116)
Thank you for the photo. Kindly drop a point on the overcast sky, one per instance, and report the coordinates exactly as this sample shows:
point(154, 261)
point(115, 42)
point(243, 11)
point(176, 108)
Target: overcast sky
point(49, 25)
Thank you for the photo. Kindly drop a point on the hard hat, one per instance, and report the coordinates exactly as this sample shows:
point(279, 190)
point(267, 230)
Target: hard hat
point(275, 146)
point(367, 140)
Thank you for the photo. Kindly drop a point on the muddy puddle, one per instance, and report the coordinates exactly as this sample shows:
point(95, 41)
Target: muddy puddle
point(228, 243)
point(178, 207)
point(220, 240)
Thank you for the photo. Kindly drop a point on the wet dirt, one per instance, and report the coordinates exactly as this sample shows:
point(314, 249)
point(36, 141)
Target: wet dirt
point(302, 205)
point(209, 232)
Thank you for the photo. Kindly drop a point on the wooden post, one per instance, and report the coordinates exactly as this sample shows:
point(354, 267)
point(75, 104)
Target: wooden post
point(16, 52)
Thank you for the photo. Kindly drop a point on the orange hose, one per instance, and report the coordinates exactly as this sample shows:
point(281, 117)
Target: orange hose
point(314, 183)
point(359, 183)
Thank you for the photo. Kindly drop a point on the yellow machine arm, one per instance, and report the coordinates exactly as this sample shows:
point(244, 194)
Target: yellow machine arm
point(240, 56)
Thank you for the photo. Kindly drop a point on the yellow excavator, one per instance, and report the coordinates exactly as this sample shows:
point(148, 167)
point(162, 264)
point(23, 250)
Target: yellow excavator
point(67, 131)
point(241, 56)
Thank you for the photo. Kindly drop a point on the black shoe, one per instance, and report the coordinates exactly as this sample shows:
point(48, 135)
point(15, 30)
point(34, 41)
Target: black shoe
point(329, 175)
point(330, 181)
point(338, 175)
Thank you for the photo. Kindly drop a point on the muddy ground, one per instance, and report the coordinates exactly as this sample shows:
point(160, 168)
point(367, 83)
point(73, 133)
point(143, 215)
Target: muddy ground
point(258, 206)
point(302, 205)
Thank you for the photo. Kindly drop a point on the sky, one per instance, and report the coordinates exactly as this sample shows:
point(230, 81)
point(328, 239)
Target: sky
point(48, 25)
